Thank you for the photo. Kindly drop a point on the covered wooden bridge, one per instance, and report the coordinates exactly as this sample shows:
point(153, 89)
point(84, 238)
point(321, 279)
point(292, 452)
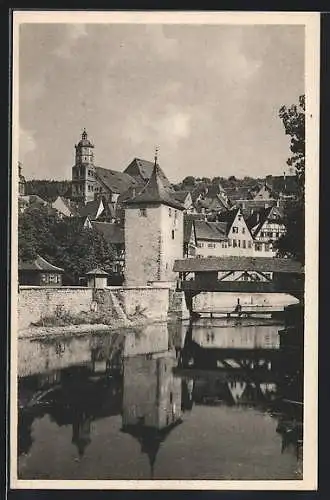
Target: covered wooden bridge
point(240, 275)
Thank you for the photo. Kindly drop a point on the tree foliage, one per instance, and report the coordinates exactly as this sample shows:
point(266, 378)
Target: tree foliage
point(293, 118)
point(64, 243)
point(292, 244)
point(47, 190)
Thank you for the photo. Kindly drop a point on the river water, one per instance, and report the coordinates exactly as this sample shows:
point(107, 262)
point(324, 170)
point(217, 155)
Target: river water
point(212, 400)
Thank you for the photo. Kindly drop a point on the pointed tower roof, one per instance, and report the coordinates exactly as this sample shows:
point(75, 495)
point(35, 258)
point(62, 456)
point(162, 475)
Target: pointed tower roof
point(150, 439)
point(155, 192)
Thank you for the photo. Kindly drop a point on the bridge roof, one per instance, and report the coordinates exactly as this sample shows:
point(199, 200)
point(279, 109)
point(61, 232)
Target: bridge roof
point(262, 264)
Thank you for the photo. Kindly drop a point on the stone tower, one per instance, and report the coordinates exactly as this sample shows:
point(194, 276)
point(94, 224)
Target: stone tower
point(153, 233)
point(83, 171)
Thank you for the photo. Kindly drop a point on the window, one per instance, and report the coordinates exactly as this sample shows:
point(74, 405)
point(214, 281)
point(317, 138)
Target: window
point(234, 244)
point(200, 245)
point(249, 244)
point(235, 229)
point(143, 212)
point(229, 243)
point(224, 244)
point(258, 247)
point(243, 243)
point(243, 230)
point(239, 217)
point(211, 245)
point(175, 214)
point(172, 234)
point(239, 242)
point(267, 247)
point(262, 234)
point(170, 212)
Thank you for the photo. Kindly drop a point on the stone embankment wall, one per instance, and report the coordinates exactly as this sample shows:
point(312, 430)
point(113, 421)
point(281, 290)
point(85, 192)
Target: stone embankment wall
point(119, 303)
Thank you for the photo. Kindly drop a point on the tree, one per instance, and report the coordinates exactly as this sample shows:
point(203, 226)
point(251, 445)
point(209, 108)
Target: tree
point(35, 233)
point(64, 243)
point(292, 244)
point(293, 118)
point(46, 189)
point(189, 181)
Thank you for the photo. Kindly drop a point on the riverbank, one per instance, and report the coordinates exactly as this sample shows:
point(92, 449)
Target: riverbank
point(41, 332)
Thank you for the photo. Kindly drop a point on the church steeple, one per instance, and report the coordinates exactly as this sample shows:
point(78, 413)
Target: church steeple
point(83, 171)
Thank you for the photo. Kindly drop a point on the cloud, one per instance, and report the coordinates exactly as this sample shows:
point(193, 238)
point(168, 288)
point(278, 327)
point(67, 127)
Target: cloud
point(235, 66)
point(27, 143)
point(166, 128)
point(73, 33)
point(175, 125)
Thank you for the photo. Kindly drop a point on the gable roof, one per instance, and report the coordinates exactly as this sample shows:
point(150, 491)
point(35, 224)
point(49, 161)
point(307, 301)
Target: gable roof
point(247, 206)
point(210, 231)
point(239, 193)
point(228, 216)
point(39, 264)
point(181, 196)
point(145, 169)
point(258, 218)
point(117, 182)
point(155, 192)
point(217, 200)
point(90, 209)
point(113, 233)
point(262, 264)
point(260, 187)
point(68, 204)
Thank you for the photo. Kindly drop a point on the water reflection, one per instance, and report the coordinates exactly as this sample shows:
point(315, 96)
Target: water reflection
point(151, 379)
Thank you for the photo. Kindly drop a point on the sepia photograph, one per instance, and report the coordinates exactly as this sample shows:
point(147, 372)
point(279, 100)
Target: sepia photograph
point(164, 325)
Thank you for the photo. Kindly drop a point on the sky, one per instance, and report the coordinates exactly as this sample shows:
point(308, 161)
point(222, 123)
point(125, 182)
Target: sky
point(206, 96)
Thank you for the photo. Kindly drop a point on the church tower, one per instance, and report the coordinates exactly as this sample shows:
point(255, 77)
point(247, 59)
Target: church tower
point(153, 233)
point(83, 171)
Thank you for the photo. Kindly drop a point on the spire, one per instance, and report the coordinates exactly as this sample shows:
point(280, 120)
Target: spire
point(84, 135)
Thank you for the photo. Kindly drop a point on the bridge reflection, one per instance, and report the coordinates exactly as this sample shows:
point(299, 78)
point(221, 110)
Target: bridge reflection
point(152, 383)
